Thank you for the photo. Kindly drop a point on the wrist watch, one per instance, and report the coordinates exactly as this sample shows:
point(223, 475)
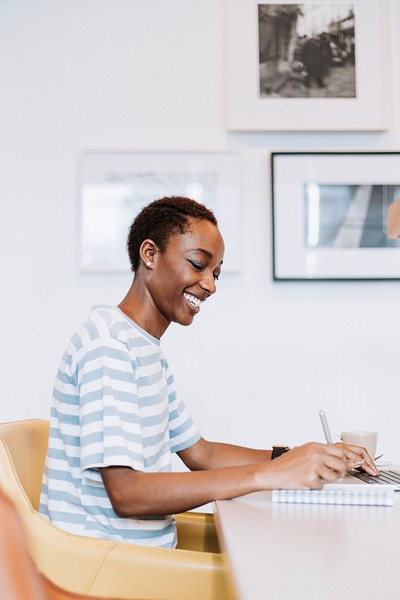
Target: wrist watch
point(278, 451)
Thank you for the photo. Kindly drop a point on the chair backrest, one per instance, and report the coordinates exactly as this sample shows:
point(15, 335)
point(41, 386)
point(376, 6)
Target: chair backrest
point(26, 444)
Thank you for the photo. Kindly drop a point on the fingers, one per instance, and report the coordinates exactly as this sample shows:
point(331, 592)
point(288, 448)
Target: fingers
point(328, 475)
point(332, 462)
point(358, 457)
point(312, 465)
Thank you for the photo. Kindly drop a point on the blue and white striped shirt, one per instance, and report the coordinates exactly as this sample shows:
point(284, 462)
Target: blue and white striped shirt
point(114, 404)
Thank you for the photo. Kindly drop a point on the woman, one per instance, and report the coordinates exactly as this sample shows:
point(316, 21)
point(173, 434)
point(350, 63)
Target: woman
point(116, 417)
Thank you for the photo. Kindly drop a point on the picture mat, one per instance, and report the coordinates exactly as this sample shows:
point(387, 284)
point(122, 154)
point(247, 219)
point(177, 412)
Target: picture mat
point(115, 186)
point(292, 259)
point(247, 111)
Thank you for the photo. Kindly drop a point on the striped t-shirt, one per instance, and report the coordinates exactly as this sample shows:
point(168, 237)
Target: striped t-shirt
point(114, 404)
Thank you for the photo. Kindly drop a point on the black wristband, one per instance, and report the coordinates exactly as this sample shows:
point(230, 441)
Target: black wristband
point(278, 451)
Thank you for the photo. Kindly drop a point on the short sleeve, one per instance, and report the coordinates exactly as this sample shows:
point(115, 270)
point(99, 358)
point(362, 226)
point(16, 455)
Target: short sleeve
point(110, 432)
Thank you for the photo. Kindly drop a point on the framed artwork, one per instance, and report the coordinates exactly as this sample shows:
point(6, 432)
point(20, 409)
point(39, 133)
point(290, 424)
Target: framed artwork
point(114, 186)
point(330, 215)
point(306, 66)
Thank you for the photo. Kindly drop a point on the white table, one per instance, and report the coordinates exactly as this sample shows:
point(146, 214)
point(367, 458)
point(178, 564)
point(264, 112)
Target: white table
point(312, 552)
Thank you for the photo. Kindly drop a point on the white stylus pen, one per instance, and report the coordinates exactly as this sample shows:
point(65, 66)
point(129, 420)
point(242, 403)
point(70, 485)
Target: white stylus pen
point(325, 427)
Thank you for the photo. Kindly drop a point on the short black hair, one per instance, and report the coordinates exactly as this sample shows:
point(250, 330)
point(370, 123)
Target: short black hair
point(161, 219)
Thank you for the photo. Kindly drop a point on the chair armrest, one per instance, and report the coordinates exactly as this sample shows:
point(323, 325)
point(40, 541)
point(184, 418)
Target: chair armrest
point(114, 569)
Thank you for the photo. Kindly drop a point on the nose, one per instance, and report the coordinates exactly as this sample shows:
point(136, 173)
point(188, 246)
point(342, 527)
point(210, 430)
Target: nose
point(208, 283)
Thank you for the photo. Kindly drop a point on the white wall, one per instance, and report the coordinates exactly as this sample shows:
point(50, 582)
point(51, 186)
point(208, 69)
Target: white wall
point(262, 357)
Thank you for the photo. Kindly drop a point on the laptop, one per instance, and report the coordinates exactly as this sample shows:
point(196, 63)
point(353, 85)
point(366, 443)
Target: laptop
point(390, 477)
point(387, 477)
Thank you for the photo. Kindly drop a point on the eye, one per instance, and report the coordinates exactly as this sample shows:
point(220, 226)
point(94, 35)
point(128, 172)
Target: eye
point(197, 265)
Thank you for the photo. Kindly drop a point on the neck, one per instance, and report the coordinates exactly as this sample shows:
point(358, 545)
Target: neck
point(139, 306)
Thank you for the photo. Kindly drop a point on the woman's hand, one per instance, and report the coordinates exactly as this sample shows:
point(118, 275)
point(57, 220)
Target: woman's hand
point(308, 467)
point(358, 457)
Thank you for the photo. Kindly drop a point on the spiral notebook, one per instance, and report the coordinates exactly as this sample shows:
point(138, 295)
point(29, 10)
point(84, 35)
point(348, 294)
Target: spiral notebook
point(357, 494)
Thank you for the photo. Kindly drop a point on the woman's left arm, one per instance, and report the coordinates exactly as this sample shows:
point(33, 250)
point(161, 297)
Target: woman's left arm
point(214, 455)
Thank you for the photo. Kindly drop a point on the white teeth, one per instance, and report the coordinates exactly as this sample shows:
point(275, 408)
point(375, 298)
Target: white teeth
point(193, 300)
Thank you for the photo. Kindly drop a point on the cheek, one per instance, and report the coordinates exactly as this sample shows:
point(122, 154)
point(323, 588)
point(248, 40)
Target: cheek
point(169, 286)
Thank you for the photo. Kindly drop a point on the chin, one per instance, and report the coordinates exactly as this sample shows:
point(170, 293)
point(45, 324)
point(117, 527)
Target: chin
point(185, 322)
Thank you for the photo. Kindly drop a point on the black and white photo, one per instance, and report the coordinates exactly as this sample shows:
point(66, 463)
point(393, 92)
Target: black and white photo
point(307, 50)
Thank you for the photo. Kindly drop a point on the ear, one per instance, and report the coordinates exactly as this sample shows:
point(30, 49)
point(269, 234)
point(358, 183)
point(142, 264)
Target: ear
point(148, 252)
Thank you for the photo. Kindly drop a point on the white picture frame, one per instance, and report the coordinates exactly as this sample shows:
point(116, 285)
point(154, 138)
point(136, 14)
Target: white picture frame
point(247, 110)
point(114, 186)
point(329, 215)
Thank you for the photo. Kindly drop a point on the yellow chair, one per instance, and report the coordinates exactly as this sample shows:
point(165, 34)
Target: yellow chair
point(19, 578)
point(104, 568)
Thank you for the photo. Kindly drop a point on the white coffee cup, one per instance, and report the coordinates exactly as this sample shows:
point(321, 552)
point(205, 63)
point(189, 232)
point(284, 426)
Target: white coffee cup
point(366, 439)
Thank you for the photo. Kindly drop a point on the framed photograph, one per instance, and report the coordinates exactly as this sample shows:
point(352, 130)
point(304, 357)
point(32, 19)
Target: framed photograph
point(330, 215)
point(115, 186)
point(307, 66)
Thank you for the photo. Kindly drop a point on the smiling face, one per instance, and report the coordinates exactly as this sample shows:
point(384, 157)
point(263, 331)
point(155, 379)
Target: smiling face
point(182, 277)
